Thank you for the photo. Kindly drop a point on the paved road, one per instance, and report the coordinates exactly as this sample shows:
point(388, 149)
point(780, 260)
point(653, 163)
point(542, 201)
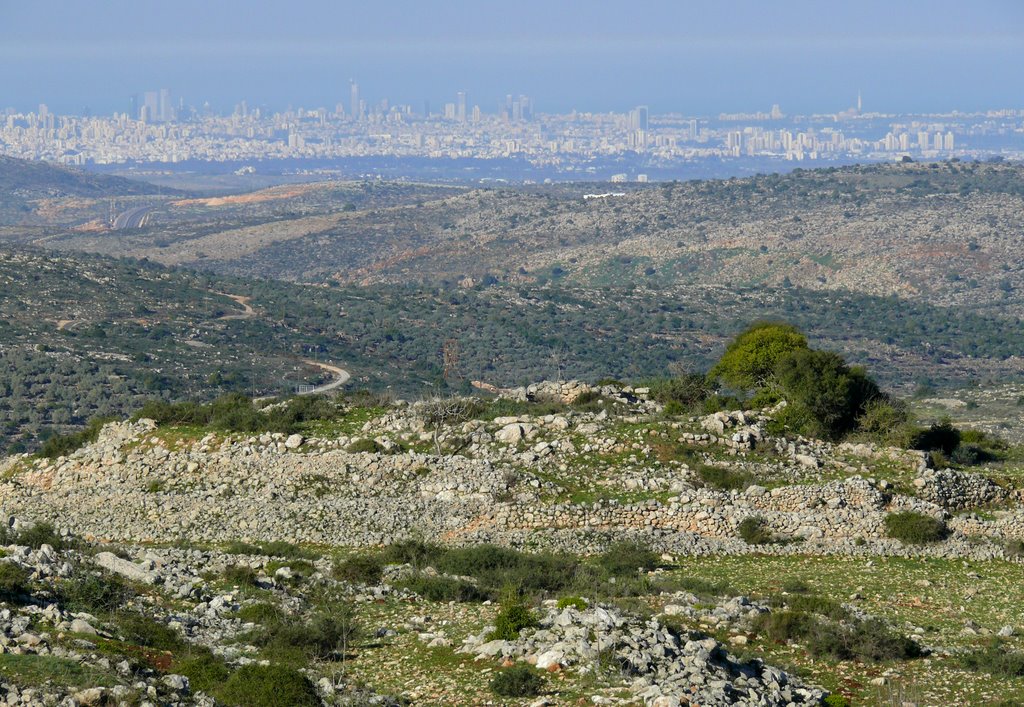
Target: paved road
point(132, 218)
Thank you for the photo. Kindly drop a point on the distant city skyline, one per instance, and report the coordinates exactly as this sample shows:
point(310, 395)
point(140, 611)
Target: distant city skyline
point(696, 58)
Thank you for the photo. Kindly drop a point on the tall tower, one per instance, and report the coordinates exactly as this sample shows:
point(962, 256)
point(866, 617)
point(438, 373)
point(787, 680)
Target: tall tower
point(353, 90)
point(460, 109)
point(858, 101)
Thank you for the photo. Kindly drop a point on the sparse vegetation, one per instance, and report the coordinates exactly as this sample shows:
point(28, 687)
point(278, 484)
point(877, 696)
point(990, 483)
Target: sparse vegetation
point(517, 681)
point(915, 528)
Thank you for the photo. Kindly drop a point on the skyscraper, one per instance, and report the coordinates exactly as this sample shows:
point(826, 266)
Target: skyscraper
point(638, 118)
point(353, 90)
point(165, 110)
point(460, 109)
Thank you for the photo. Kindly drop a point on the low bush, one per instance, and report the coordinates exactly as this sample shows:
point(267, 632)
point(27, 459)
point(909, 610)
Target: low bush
point(681, 394)
point(240, 575)
point(260, 613)
point(14, 582)
point(440, 588)
point(144, 631)
point(861, 640)
point(723, 479)
point(256, 685)
point(512, 619)
point(38, 535)
point(497, 567)
point(360, 569)
point(204, 670)
point(94, 593)
point(857, 639)
point(234, 412)
point(996, 660)
point(240, 548)
point(754, 531)
point(363, 445)
point(517, 681)
point(941, 436)
point(835, 700)
point(411, 552)
point(915, 528)
point(318, 638)
point(578, 603)
point(63, 445)
point(627, 557)
point(970, 454)
point(818, 605)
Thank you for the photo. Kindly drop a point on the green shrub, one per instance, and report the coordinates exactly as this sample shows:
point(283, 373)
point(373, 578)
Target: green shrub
point(204, 670)
point(915, 528)
point(411, 552)
point(440, 588)
point(63, 445)
point(829, 395)
point(578, 603)
point(38, 535)
point(995, 660)
point(94, 593)
point(861, 640)
point(512, 619)
point(496, 567)
point(363, 445)
point(240, 548)
point(627, 557)
point(268, 686)
point(970, 454)
point(517, 681)
point(941, 436)
point(683, 393)
point(241, 575)
point(754, 531)
point(260, 613)
point(887, 421)
point(141, 630)
point(795, 586)
point(812, 604)
point(835, 700)
point(784, 626)
point(723, 479)
point(14, 582)
point(360, 569)
point(317, 638)
point(750, 359)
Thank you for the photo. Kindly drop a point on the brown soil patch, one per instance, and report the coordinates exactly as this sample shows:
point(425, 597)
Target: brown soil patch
point(272, 194)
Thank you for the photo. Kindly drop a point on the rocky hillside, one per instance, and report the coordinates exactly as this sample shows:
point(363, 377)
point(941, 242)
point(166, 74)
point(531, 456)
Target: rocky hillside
point(944, 233)
point(671, 559)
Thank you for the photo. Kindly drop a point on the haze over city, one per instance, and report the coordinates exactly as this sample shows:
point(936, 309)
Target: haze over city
point(693, 58)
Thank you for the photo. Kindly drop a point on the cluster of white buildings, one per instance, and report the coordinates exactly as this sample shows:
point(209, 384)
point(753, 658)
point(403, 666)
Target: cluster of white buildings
point(516, 131)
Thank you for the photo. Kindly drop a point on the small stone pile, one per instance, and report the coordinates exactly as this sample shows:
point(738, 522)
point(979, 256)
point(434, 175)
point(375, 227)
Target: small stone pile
point(663, 668)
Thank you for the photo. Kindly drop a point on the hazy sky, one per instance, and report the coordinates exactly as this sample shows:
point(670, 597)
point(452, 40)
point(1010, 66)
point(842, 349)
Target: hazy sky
point(692, 57)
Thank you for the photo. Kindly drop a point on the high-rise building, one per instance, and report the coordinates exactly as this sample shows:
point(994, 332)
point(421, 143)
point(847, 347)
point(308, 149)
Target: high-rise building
point(151, 106)
point(638, 118)
point(354, 103)
point(165, 109)
point(947, 142)
point(460, 109)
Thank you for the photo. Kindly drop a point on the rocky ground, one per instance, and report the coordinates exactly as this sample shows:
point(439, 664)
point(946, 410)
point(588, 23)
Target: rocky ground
point(186, 524)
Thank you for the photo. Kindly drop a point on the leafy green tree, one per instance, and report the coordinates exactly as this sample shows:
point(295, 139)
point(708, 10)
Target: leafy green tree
point(750, 360)
point(821, 384)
